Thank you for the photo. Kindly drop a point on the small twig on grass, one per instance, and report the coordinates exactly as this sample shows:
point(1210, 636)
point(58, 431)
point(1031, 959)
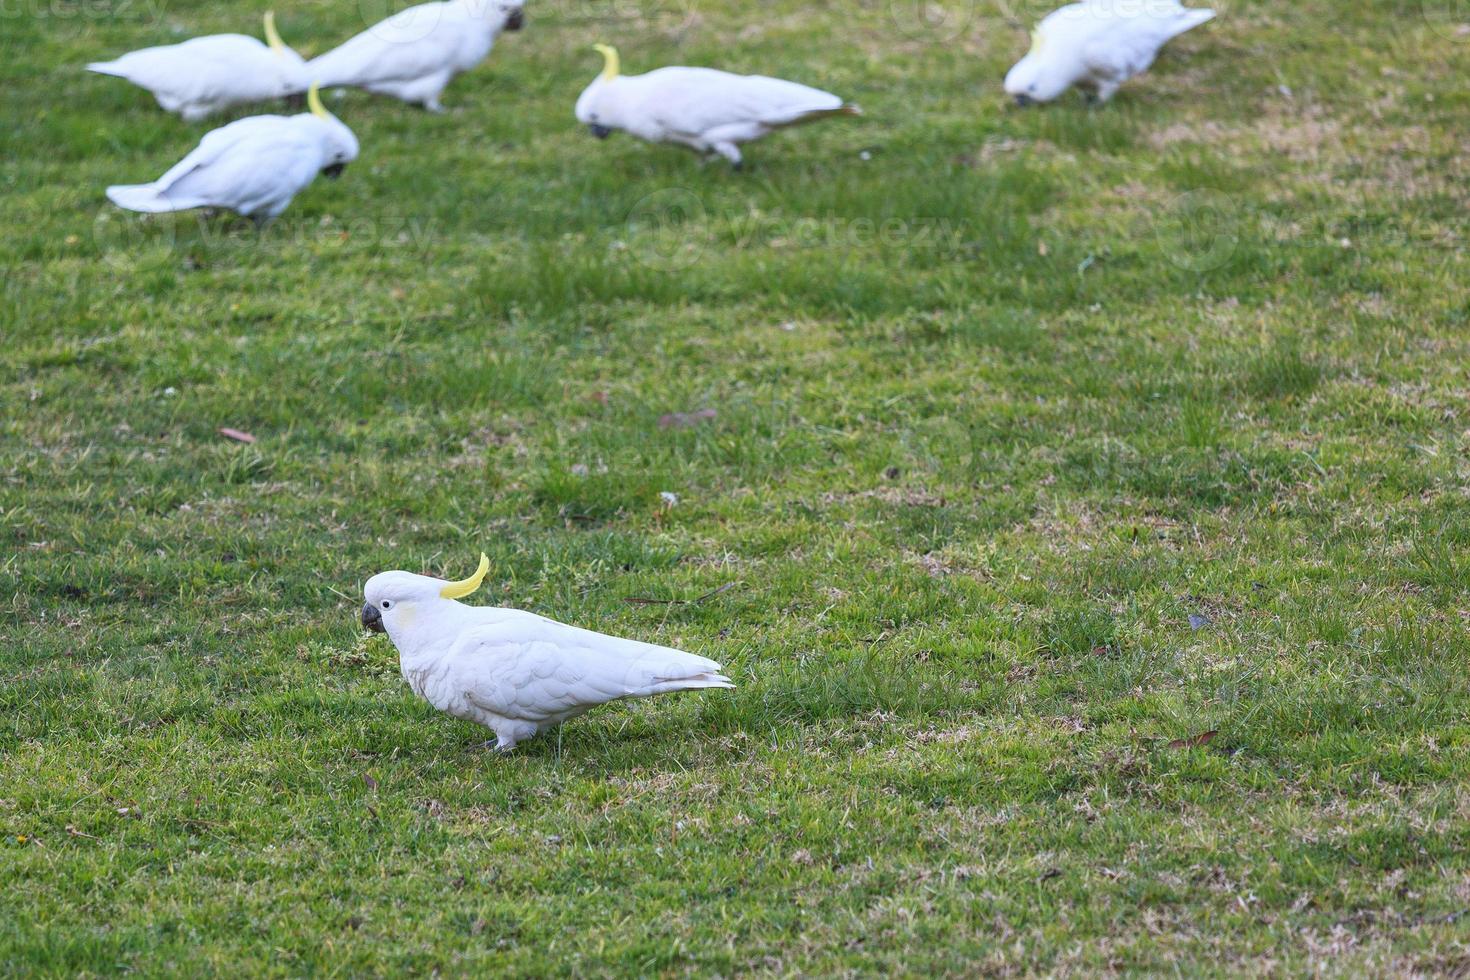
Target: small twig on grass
point(645, 601)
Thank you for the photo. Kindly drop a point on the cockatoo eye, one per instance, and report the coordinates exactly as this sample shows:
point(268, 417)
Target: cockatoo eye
point(387, 604)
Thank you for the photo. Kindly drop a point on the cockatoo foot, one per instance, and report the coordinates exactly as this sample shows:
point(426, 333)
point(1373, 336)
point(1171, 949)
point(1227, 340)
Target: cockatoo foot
point(493, 747)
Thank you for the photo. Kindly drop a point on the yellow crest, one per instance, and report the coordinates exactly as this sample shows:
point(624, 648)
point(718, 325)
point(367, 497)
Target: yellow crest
point(314, 102)
point(462, 588)
point(271, 36)
point(610, 63)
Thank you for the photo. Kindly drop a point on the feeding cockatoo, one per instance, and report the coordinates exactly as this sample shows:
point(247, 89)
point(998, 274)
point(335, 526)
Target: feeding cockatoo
point(707, 110)
point(413, 55)
point(514, 672)
point(1097, 44)
point(207, 74)
point(253, 166)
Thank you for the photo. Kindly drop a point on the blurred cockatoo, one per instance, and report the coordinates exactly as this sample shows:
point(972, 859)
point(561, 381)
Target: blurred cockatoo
point(253, 166)
point(207, 74)
point(707, 110)
point(415, 53)
point(515, 672)
point(1097, 44)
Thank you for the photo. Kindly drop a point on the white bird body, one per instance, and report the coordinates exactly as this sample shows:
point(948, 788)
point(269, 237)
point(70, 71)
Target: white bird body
point(252, 166)
point(207, 74)
point(512, 671)
point(1097, 44)
point(707, 110)
point(414, 54)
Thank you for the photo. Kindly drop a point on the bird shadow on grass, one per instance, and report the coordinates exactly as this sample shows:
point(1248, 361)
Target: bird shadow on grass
point(785, 701)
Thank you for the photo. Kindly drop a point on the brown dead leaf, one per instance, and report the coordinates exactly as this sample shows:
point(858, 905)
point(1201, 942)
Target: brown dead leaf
point(236, 434)
point(1194, 741)
point(683, 420)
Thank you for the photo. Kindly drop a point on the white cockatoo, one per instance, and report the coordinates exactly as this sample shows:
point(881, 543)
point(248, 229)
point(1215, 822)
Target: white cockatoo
point(512, 671)
point(1097, 44)
point(707, 110)
point(207, 74)
point(415, 53)
point(253, 166)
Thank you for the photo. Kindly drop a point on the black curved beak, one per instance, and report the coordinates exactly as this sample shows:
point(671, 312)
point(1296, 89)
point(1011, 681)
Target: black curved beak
point(334, 171)
point(601, 132)
point(372, 619)
point(1024, 100)
point(515, 21)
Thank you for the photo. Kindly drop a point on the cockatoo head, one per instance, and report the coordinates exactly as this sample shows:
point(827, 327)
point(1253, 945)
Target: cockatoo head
point(397, 600)
point(502, 15)
point(339, 145)
point(1040, 76)
point(596, 108)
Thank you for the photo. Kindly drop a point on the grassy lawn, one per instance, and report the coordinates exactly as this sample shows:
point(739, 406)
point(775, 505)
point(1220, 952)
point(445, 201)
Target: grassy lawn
point(1026, 443)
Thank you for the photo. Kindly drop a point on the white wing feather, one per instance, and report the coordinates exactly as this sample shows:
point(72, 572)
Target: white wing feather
point(254, 165)
point(413, 43)
point(693, 101)
point(1131, 46)
point(1118, 41)
point(529, 668)
point(212, 71)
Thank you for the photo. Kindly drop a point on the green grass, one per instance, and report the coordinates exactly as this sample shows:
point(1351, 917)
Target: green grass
point(1041, 439)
